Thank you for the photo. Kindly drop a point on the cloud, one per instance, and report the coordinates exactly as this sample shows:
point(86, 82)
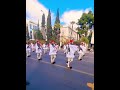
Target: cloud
point(33, 11)
point(72, 15)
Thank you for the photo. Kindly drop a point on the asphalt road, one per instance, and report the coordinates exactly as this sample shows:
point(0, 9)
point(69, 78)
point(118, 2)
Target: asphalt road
point(43, 75)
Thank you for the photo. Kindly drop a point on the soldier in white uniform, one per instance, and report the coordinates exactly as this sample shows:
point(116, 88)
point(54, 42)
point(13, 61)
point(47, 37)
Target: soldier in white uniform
point(39, 51)
point(52, 52)
point(66, 51)
point(80, 52)
point(65, 48)
point(33, 47)
point(70, 54)
point(57, 47)
point(83, 48)
point(44, 48)
point(28, 50)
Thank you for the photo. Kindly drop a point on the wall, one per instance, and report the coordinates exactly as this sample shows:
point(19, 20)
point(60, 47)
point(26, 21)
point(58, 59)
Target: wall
point(32, 26)
point(67, 33)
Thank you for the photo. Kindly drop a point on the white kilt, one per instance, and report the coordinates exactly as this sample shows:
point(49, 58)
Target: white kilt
point(28, 49)
point(45, 48)
point(70, 55)
point(80, 52)
point(38, 51)
point(52, 52)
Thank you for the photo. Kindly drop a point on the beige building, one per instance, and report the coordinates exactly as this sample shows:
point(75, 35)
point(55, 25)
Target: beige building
point(67, 33)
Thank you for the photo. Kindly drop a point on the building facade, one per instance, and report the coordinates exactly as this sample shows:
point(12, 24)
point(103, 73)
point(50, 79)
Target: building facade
point(32, 27)
point(67, 33)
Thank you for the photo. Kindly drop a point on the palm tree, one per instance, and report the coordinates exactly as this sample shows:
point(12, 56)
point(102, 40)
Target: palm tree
point(72, 23)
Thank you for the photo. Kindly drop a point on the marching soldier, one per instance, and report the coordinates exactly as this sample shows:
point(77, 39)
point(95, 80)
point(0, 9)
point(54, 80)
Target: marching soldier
point(39, 51)
point(28, 50)
point(65, 48)
point(52, 52)
point(83, 48)
point(44, 48)
point(70, 54)
point(33, 47)
point(57, 47)
point(80, 52)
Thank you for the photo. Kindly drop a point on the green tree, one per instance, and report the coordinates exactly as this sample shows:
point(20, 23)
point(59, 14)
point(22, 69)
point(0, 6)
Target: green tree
point(84, 39)
point(43, 20)
point(57, 17)
point(57, 26)
point(56, 32)
point(39, 35)
point(57, 22)
point(49, 27)
point(89, 37)
point(87, 18)
point(81, 31)
point(53, 38)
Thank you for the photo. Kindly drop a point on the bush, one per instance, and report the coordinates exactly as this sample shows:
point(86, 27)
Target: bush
point(85, 40)
point(42, 41)
point(77, 42)
point(33, 41)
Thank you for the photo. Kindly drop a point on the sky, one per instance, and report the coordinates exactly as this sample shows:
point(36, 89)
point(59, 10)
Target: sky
point(69, 10)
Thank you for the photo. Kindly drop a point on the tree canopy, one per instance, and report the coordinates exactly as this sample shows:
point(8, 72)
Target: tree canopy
point(39, 35)
point(87, 18)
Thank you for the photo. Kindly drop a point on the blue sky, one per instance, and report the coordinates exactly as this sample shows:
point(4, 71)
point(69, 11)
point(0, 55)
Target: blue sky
point(64, 5)
point(70, 10)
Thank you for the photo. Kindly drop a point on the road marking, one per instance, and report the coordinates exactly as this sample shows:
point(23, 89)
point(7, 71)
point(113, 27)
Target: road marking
point(65, 68)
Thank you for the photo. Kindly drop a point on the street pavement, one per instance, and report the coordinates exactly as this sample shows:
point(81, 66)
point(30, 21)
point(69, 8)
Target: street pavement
point(43, 75)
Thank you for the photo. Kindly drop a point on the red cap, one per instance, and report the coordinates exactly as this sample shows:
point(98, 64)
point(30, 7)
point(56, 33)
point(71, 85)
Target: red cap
point(52, 41)
point(71, 41)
